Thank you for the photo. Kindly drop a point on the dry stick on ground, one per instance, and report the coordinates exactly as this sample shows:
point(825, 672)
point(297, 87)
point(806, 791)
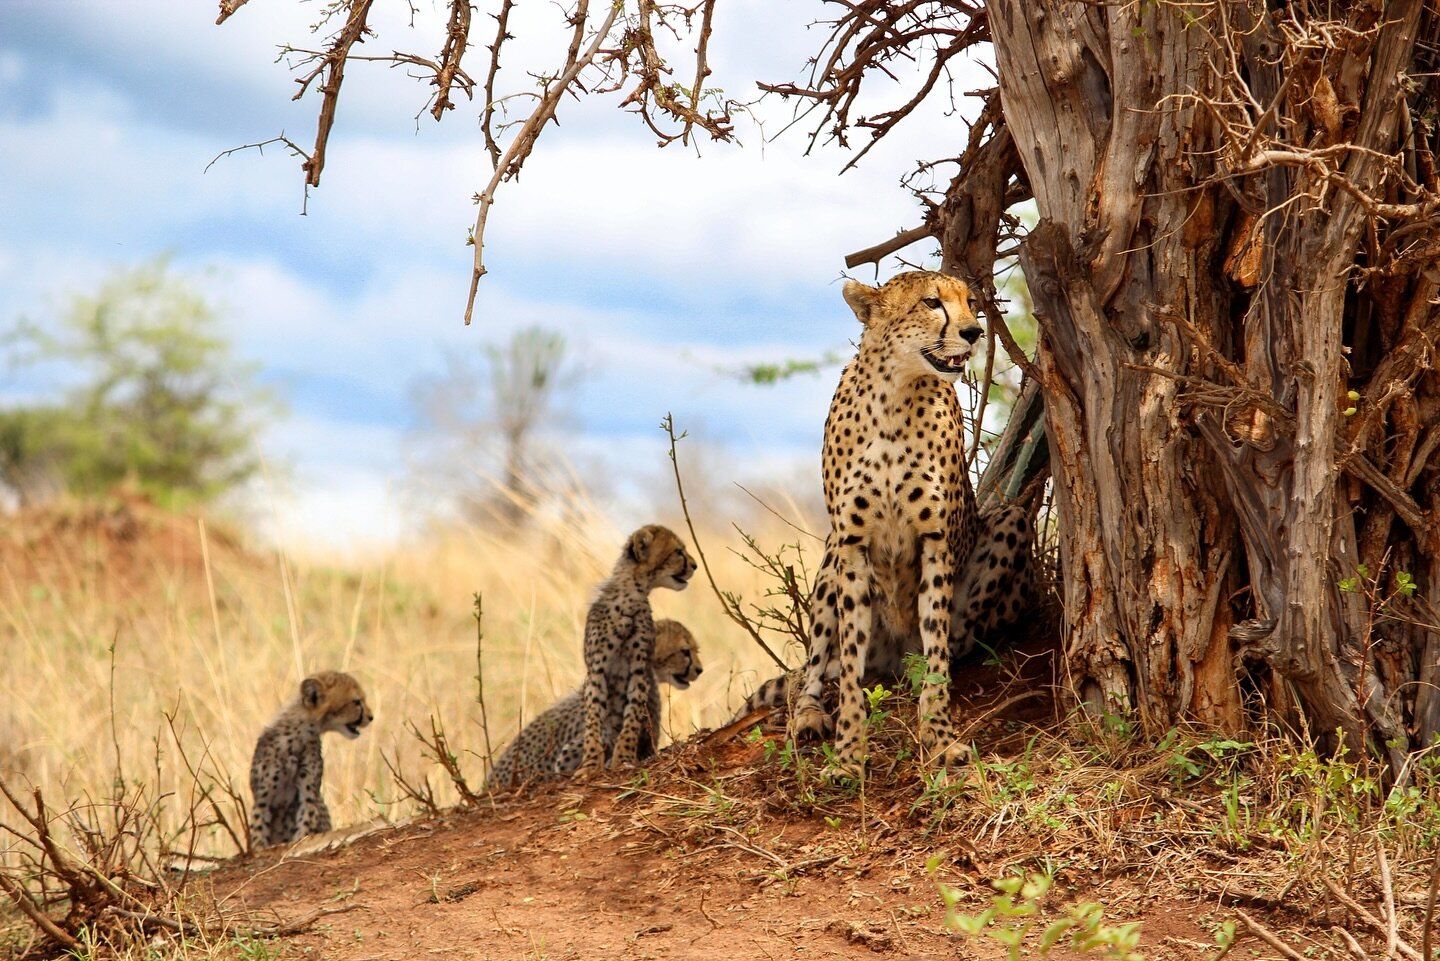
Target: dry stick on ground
point(31, 910)
point(1270, 937)
point(1387, 891)
point(1430, 905)
point(731, 608)
point(1379, 926)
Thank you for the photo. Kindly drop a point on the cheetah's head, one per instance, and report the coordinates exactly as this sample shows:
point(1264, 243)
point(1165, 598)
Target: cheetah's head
point(659, 557)
point(677, 656)
point(336, 702)
point(925, 321)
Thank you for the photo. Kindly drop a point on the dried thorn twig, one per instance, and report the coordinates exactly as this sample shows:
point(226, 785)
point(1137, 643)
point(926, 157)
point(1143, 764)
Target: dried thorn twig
point(732, 609)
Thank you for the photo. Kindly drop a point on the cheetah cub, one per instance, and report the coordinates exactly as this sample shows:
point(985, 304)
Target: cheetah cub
point(550, 745)
point(619, 694)
point(287, 768)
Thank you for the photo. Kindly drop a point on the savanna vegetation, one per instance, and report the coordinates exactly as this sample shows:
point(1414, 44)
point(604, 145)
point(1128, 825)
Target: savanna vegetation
point(1232, 267)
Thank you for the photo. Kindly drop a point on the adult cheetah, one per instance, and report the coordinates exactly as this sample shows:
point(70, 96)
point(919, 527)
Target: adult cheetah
point(287, 767)
point(620, 647)
point(904, 568)
point(550, 746)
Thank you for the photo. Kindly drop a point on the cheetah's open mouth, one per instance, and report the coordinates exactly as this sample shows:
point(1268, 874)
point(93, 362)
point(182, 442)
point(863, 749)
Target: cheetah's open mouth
point(943, 362)
point(353, 729)
point(679, 682)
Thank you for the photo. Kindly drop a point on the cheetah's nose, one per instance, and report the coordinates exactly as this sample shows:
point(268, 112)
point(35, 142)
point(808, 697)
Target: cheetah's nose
point(972, 334)
point(699, 671)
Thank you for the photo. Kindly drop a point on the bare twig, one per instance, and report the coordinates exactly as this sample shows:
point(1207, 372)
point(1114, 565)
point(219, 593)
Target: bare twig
point(480, 678)
point(31, 910)
point(732, 609)
point(457, 35)
point(1269, 937)
point(332, 67)
point(1379, 926)
point(227, 7)
point(515, 155)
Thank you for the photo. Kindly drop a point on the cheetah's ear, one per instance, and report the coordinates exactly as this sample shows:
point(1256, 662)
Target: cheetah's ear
point(639, 545)
point(860, 297)
point(310, 692)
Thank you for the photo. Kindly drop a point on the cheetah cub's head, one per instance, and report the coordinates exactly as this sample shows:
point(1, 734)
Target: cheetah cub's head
point(925, 321)
point(659, 557)
point(336, 702)
point(677, 656)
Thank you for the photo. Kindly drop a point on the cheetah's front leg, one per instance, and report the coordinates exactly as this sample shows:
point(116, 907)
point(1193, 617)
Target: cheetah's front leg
point(937, 586)
point(808, 718)
point(313, 817)
point(636, 718)
point(592, 755)
point(855, 626)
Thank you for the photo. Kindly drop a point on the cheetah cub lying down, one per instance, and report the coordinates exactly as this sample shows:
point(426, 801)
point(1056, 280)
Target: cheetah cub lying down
point(287, 768)
point(620, 701)
point(550, 745)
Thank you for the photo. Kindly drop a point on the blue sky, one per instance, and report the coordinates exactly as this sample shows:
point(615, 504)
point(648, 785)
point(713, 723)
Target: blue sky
point(660, 267)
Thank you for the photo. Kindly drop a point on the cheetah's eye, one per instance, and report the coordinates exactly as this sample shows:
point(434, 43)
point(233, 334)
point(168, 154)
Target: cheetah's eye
point(932, 302)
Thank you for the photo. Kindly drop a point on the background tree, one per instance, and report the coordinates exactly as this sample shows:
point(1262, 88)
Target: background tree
point(487, 412)
point(157, 398)
point(1234, 274)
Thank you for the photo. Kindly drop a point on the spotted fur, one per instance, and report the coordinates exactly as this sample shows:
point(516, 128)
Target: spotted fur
point(995, 590)
point(619, 689)
point(287, 768)
point(550, 746)
point(904, 568)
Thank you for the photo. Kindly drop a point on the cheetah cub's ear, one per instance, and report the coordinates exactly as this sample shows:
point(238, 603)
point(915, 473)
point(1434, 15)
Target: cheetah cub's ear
point(310, 693)
point(861, 299)
point(638, 547)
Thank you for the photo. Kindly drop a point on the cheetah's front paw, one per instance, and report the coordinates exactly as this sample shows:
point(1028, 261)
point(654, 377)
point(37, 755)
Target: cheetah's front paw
point(949, 753)
point(810, 722)
point(842, 768)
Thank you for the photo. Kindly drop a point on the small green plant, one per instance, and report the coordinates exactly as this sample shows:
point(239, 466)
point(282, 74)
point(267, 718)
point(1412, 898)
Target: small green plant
point(254, 949)
point(917, 674)
point(1187, 758)
point(1013, 920)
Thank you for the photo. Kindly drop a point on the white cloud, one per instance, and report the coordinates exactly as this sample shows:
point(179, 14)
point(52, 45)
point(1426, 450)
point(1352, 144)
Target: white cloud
point(660, 267)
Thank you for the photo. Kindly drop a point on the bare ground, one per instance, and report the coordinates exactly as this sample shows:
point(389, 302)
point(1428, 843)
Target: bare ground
point(578, 874)
point(710, 854)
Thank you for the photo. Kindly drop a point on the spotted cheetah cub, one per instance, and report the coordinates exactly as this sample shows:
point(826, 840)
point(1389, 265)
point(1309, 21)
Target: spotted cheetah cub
point(287, 768)
point(550, 746)
point(619, 689)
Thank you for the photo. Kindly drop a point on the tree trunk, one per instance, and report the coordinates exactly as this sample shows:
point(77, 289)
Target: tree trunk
point(1203, 181)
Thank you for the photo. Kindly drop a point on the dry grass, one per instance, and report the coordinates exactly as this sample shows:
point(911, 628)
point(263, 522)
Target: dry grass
point(116, 618)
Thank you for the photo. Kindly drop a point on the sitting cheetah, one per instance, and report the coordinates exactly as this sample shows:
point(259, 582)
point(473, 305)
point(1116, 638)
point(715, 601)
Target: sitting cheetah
point(903, 560)
point(550, 745)
point(983, 613)
point(286, 770)
point(620, 646)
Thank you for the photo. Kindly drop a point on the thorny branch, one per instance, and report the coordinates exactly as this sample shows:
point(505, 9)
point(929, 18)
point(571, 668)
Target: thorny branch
point(332, 68)
point(878, 36)
point(608, 47)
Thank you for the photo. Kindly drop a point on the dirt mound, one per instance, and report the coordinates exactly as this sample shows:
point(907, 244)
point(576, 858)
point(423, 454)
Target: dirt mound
point(724, 847)
point(122, 545)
